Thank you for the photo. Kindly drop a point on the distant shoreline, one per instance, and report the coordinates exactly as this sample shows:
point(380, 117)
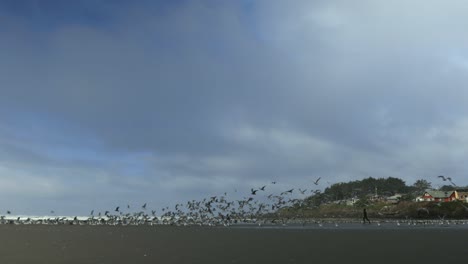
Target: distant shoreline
point(102, 221)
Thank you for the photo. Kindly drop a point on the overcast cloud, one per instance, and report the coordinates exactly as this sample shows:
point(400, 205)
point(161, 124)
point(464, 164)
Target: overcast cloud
point(109, 103)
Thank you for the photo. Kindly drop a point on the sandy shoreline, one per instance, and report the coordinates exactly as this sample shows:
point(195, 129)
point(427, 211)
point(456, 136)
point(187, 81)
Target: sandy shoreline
point(144, 244)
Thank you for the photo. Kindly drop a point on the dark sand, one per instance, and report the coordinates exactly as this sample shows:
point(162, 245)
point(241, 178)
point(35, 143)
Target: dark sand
point(146, 244)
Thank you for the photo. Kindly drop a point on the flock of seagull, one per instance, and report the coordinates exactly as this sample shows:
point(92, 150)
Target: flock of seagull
point(255, 209)
point(259, 207)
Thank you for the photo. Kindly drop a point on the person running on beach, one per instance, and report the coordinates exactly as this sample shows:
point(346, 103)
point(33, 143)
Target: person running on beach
point(364, 218)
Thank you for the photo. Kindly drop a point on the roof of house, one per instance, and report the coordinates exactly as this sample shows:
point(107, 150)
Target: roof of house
point(394, 197)
point(438, 194)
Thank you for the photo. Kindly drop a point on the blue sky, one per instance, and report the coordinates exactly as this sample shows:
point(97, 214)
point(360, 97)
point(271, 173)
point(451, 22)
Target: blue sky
point(108, 103)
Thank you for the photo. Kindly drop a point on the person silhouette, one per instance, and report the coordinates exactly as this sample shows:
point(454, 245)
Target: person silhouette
point(364, 217)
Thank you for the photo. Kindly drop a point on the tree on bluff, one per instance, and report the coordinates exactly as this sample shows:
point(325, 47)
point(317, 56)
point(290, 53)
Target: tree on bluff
point(421, 185)
point(388, 186)
point(447, 188)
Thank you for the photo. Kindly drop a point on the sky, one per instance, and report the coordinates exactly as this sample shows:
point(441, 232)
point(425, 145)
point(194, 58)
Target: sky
point(108, 103)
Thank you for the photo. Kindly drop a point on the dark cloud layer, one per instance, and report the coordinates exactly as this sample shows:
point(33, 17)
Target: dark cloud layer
point(156, 102)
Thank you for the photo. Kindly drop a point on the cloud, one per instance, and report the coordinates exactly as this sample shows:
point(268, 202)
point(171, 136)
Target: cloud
point(152, 102)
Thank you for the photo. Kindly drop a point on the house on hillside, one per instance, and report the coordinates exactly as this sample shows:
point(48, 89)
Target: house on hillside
point(394, 199)
point(461, 195)
point(351, 201)
point(436, 196)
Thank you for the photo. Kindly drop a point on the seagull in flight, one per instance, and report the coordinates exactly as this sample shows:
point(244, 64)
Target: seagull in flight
point(464, 206)
point(315, 191)
point(316, 181)
point(263, 188)
point(144, 206)
point(446, 179)
point(253, 191)
point(117, 208)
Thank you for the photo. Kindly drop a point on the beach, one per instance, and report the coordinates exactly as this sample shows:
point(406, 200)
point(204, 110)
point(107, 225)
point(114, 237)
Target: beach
point(169, 244)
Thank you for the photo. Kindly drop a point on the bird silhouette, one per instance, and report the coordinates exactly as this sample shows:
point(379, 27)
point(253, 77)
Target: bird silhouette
point(464, 206)
point(447, 179)
point(315, 191)
point(316, 181)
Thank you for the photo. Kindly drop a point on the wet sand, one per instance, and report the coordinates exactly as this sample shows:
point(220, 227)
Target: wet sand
point(162, 244)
